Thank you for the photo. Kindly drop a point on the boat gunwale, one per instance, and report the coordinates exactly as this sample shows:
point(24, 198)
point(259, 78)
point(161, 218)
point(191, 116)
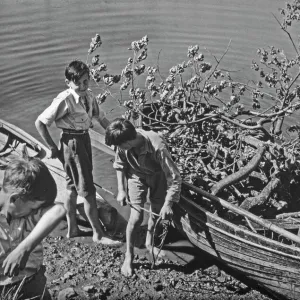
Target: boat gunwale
point(23, 135)
point(247, 232)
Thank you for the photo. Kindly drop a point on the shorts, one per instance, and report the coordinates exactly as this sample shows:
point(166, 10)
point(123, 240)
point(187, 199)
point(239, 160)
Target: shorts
point(76, 153)
point(156, 185)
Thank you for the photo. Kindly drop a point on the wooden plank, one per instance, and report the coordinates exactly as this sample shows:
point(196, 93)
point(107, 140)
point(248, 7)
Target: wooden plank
point(235, 230)
point(265, 279)
point(287, 224)
point(268, 225)
point(98, 141)
point(214, 238)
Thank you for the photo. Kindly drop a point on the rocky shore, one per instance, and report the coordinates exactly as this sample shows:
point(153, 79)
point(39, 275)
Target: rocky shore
point(80, 269)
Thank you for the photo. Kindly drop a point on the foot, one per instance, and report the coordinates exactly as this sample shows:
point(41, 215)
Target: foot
point(76, 233)
point(108, 242)
point(127, 269)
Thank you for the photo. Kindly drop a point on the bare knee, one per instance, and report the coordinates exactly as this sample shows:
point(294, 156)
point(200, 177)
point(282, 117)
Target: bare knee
point(135, 220)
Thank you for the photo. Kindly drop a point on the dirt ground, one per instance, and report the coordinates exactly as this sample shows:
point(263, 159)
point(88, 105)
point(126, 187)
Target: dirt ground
point(80, 269)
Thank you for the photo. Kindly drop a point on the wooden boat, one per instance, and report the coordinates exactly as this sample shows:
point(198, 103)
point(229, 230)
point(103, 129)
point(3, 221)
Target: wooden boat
point(251, 251)
point(270, 264)
point(14, 142)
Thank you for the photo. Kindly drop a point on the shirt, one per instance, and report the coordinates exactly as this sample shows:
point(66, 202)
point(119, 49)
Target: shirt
point(154, 157)
point(11, 235)
point(67, 110)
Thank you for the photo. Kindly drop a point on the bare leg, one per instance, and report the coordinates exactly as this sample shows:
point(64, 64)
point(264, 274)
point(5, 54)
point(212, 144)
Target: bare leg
point(150, 234)
point(135, 220)
point(91, 211)
point(70, 206)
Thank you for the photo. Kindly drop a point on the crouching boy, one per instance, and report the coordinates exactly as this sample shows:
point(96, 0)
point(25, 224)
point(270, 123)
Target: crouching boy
point(27, 215)
point(143, 160)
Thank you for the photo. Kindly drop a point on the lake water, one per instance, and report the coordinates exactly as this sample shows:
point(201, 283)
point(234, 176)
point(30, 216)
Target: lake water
point(38, 39)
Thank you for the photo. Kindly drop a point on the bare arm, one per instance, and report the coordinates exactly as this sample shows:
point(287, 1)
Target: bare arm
point(43, 131)
point(172, 176)
point(99, 115)
point(104, 122)
point(17, 259)
point(122, 195)
point(173, 182)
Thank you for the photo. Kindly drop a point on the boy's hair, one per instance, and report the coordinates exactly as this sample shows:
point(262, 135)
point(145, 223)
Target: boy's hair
point(75, 70)
point(119, 131)
point(31, 179)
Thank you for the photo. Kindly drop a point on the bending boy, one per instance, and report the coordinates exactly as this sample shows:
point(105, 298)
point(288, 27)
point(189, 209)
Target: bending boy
point(72, 111)
point(143, 159)
point(27, 215)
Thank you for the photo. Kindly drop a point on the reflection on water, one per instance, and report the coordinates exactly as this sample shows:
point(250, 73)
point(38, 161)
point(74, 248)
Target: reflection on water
point(38, 38)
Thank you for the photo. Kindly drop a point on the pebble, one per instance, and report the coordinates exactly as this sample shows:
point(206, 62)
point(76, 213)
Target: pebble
point(66, 294)
point(89, 289)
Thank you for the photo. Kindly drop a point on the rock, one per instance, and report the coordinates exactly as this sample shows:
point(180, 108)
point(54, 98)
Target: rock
point(221, 279)
point(66, 294)
point(158, 287)
point(67, 275)
point(89, 289)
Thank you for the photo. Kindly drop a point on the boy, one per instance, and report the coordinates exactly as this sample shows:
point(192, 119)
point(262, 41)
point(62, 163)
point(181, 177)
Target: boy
point(27, 192)
point(142, 157)
point(73, 110)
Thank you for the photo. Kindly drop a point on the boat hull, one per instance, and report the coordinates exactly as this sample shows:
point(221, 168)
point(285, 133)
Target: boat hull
point(270, 264)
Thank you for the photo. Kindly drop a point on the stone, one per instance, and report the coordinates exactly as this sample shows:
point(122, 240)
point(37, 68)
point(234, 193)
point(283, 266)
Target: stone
point(66, 294)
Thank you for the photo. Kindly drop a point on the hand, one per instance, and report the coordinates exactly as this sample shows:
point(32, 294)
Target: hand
point(166, 212)
point(15, 261)
point(121, 198)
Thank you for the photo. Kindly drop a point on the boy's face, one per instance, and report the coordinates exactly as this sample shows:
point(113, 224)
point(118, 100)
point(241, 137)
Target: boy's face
point(81, 86)
point(126, 145)
point(20, 208)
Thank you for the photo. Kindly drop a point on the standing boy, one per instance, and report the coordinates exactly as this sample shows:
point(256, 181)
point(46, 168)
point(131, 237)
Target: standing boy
point(73, 110)
point(143, 159)
point(27, 215)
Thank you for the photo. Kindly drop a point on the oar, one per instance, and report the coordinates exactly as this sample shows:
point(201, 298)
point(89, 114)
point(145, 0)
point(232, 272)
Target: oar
point(264, 223)
point(105, 190)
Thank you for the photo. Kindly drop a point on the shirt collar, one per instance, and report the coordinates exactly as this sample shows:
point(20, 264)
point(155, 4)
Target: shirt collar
point(146, 144)
point(76, 96)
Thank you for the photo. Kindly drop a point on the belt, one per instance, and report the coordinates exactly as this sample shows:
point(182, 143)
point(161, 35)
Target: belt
point(75, 132)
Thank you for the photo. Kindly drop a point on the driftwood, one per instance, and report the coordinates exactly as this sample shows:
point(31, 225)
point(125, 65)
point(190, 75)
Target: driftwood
point(262, 197)
point(241, 174)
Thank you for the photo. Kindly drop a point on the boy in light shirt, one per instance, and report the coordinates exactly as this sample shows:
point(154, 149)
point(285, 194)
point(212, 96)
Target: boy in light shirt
point(72, 111)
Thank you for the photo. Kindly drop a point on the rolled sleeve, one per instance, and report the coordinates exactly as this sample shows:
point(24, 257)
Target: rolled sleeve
point(55, 111)
point(98, 113)
point(120, 162)
point(172, 175)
